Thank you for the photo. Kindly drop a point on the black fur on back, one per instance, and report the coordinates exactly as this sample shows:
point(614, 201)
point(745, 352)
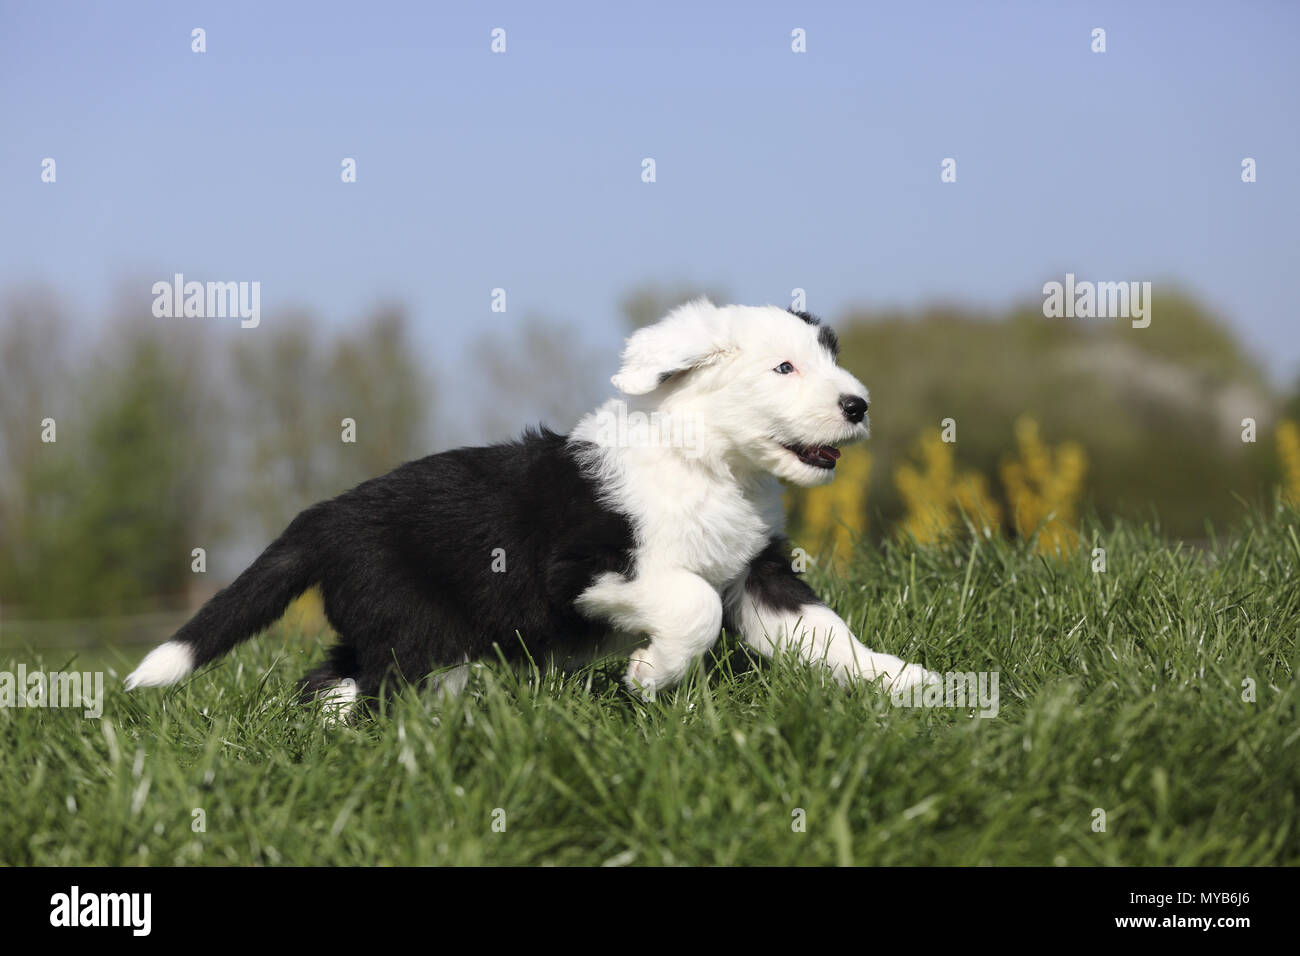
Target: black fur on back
point(404, 562)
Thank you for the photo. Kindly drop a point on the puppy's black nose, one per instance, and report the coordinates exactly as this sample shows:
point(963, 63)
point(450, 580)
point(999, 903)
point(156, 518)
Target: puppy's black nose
point(855, 407)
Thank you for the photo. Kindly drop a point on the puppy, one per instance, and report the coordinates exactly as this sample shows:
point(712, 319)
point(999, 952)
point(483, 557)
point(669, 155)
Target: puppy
point(654, 523)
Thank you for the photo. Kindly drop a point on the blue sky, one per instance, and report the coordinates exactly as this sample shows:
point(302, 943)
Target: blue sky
point(775, 170)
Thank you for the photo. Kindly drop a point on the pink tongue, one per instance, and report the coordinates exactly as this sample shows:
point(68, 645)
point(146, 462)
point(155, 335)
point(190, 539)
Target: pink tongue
point(832, 453)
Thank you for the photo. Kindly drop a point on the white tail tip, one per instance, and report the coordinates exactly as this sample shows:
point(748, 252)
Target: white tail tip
point(165, 664)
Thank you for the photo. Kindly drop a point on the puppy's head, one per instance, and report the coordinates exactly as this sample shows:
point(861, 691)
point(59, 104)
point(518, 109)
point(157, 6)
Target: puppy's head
point(760, 382)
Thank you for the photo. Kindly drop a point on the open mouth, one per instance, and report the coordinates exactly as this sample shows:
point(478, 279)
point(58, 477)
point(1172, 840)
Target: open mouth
point(818, 456)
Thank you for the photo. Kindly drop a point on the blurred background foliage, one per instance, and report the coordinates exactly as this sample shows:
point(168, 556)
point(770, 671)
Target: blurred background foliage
point(171, 437)
point(1053, 417)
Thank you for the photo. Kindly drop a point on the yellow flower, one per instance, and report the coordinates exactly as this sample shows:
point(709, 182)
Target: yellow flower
point(1288, 454)
point(1043, 488)
point(833, 513)
point(936, 496)
point(306, 613)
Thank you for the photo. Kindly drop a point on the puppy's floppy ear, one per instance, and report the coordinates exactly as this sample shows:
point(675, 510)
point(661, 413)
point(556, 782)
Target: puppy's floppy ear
point(688, 337)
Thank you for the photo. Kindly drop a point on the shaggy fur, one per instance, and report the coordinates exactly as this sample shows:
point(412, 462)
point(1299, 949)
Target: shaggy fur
point(654, 522)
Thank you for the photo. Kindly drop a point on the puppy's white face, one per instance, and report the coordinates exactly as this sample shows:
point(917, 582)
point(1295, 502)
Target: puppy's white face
point(760, 382)
point(785, 401)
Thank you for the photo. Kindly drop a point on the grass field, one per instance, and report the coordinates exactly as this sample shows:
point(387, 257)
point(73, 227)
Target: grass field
point(1120, 691)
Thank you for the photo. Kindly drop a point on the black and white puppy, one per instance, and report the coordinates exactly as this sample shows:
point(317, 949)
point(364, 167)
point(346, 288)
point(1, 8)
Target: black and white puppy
point(656, 521)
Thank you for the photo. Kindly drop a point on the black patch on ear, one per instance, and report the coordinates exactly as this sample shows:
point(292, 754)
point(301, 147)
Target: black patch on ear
point(665, 376)
point(825, 335)
point(829, 340)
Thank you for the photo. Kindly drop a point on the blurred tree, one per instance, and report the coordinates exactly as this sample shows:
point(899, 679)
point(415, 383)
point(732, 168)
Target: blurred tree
point(1291, 403)
point(111, 512)
point(547, 371)
point(543, 371)
point(647, 304)
point(378, 383)
point(295, 390)
point(281, 378)
point(33, 387)
point(1158, 414)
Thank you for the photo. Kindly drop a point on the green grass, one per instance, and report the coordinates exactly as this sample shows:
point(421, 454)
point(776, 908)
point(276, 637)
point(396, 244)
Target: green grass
point(1120, 691)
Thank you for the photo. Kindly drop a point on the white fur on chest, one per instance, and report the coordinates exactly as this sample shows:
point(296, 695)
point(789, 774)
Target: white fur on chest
point(708, 529)
point(688, 515)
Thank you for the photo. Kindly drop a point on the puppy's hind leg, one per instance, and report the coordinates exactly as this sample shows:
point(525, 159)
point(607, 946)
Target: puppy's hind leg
point(680, 612)
point(334, 684)
point(451, 681)
point(396, 632)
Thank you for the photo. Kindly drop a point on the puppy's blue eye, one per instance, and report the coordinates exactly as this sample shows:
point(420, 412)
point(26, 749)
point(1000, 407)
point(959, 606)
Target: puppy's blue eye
point(785, 368)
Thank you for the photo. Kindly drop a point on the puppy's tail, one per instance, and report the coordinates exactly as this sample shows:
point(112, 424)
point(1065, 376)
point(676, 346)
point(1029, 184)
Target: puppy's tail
point(253, 602)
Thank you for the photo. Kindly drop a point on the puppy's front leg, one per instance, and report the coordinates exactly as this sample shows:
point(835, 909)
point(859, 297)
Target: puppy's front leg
point(679, 611)
point(773, 608)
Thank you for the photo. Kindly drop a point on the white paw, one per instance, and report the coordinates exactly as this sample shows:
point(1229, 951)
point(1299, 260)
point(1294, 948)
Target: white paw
point(338, 701)
point(911, 675)
point(640, 677)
